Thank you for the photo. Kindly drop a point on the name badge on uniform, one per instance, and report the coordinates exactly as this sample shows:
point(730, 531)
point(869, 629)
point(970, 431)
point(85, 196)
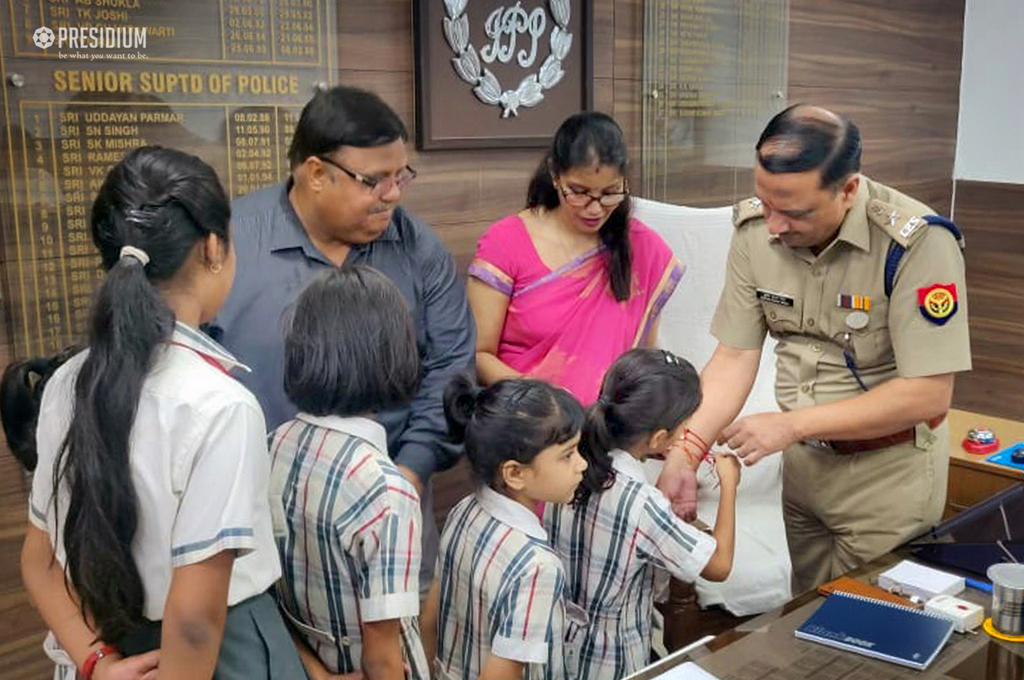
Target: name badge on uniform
point(774, 298)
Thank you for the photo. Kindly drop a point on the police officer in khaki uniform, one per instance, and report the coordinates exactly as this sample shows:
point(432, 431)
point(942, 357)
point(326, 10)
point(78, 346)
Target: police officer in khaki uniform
point(865, 375)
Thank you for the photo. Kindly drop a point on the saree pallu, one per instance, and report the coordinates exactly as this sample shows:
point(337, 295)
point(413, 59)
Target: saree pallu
point(565, 326)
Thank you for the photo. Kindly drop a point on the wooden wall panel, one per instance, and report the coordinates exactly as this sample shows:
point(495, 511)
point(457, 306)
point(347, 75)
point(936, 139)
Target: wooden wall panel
point(894, 69)
point(892, 49)
point(991, 216)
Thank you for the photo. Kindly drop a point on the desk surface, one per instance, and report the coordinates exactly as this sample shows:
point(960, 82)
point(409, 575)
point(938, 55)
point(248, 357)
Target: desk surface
point(1009, 432)
point(766, 649)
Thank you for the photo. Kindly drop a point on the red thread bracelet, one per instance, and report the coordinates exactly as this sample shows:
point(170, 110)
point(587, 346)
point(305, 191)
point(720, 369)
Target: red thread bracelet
point(90, 661)
point(688, 432)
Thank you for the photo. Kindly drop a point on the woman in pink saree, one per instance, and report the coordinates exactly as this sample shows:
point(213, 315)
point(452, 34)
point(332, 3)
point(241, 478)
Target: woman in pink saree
point(561, 289)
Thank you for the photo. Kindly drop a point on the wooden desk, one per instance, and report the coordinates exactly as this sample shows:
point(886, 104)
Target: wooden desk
point(971, 478)
point(765, 648)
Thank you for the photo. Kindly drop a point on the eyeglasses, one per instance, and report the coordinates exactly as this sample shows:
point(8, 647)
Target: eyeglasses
point(583, 199)
point(378, 186)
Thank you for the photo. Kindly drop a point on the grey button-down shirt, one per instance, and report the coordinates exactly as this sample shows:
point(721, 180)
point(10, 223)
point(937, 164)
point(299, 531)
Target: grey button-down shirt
point(277, 260)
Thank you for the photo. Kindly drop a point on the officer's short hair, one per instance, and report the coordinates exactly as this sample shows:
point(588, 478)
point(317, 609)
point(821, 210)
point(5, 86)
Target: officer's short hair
point(803, 138)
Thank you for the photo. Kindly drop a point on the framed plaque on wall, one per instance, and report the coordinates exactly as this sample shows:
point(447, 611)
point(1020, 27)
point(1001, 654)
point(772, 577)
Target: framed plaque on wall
point(497, 73)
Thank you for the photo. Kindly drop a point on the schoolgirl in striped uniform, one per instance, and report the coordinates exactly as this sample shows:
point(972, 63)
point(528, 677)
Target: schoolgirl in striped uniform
point(349, 533)
point(498, 599)
point(620, 528)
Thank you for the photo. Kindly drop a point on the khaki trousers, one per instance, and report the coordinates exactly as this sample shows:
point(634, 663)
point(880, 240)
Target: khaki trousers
point(844, 510)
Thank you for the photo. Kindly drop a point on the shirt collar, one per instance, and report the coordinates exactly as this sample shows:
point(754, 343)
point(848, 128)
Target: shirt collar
point(288, 231)
point(205, 345)
point(855, 229)
point(624, 462)
point(508, 511)
point(368, 430)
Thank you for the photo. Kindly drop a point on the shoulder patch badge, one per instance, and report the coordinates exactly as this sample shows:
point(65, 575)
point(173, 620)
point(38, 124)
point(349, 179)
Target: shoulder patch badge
point(937, 302)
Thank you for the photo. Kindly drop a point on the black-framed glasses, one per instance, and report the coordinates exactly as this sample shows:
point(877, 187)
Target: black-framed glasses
point(583, 199)
point(378, 186)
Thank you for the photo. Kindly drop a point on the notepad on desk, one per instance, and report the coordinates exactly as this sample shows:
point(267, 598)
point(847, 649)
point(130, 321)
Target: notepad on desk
point(882, 630)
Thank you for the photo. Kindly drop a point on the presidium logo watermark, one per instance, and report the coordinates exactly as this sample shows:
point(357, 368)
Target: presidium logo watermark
point(93, 42)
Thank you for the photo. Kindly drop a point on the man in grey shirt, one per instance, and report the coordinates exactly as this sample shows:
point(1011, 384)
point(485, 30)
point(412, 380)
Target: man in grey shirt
point(340, 206)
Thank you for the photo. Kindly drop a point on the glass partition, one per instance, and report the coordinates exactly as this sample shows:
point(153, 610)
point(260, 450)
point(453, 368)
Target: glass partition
point(714, 72)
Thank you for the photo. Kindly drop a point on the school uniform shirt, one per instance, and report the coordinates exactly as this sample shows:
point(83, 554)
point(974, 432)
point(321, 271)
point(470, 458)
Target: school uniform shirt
point(611, 548)
point(199, 467)
point(348, 532)
point(501, 590)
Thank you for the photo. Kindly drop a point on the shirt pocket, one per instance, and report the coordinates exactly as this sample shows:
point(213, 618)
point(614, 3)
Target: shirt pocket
point(314, 634)
point(871, 345)
point(783, 318)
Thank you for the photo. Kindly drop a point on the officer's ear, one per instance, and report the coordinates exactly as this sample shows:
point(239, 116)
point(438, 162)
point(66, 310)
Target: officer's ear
point(848, 190)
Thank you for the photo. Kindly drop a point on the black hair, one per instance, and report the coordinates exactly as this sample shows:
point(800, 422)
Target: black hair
point(510, 420)
point(162, 202)
point(343, 116)
point(644, 391)
point(809, 139)
point(583, 140)
point(21, 392)
point(351, 347)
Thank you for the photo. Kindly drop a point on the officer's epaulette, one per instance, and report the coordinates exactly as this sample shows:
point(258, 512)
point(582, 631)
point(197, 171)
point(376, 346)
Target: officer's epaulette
point(903, 227)
point(746, 210)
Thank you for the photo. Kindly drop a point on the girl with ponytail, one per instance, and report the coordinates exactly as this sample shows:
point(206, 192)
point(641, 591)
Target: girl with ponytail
point(620, 528)
point(149, 515)
point(563, 287)
point(496, 606)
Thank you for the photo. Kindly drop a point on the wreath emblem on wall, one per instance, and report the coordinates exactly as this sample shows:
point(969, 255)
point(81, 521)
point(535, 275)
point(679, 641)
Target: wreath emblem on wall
point(508, 23)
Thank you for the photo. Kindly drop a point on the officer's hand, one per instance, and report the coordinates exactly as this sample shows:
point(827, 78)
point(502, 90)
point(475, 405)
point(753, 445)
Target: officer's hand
point(754, 437)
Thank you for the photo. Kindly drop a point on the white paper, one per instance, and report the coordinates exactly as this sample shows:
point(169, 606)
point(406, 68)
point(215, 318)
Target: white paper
point(686, 671)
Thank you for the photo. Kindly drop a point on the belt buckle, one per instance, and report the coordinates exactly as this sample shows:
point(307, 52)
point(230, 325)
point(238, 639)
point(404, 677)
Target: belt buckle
point(820, 444)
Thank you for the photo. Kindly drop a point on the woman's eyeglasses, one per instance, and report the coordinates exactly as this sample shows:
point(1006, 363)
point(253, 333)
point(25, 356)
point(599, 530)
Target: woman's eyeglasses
point(378, 186)
point(583, 199)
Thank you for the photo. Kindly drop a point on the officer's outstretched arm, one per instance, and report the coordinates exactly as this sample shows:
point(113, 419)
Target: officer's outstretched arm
point(726, 382)
point(885, 409)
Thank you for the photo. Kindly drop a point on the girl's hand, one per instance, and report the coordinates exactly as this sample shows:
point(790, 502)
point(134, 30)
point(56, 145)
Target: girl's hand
point(727, 466)
point(139, 667)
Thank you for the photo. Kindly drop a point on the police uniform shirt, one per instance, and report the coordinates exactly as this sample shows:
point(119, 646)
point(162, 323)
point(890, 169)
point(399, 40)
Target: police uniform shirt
point(806, 301)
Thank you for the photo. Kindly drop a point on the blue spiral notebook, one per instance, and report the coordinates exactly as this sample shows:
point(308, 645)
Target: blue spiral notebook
point(909, 637)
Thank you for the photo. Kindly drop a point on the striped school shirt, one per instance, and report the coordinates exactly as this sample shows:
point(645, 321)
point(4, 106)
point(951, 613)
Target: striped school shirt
point(501, 590)
point(348, 534)
point(611, 548)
